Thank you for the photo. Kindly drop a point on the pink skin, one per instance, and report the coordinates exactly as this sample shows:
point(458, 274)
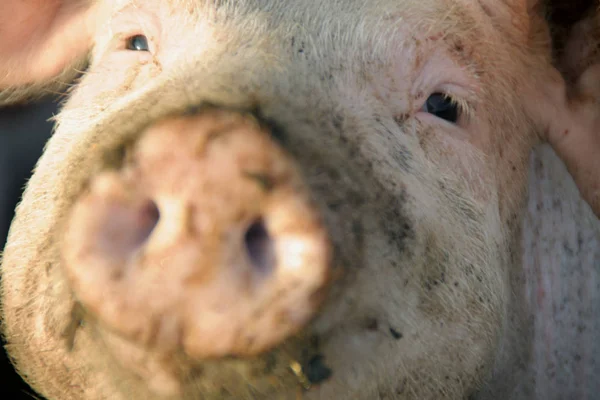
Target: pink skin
point(39, 38)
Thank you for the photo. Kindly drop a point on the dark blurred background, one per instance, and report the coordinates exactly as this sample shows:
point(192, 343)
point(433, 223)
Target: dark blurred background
point(24, 131)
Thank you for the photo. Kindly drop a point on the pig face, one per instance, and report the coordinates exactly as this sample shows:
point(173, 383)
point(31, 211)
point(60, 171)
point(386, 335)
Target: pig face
point(383, 143)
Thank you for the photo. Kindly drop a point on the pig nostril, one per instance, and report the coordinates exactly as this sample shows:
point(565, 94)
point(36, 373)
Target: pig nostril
point(259, 246)
point(128, 228)
point(149, 216)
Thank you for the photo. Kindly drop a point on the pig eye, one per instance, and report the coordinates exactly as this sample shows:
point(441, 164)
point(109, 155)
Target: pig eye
point(442, 106)
point(137, 43)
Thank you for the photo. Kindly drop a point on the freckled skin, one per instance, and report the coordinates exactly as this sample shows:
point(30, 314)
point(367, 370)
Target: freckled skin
point(431, 293)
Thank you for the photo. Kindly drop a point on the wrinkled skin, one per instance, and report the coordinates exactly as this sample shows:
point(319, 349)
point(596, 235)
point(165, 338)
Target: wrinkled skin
point(429, 289)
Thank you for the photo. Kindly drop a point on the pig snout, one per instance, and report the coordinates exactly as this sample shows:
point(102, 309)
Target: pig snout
point(205, 240)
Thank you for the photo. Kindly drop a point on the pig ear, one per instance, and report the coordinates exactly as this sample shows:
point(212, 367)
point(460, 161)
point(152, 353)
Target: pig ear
point(42, 44)
point(573, 116)
point(565, 101)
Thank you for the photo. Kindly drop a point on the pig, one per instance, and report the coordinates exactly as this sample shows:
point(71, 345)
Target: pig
point(293, 199)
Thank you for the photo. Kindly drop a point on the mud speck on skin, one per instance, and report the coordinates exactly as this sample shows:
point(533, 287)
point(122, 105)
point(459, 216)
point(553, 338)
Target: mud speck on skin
point(401, 118)
point(396, 334)
point(316, 371)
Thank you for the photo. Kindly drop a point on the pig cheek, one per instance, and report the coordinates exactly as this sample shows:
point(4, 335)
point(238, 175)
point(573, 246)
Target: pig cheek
point(459, 158)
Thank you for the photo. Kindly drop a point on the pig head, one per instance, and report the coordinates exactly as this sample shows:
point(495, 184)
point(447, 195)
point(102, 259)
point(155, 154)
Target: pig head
point(274, 199)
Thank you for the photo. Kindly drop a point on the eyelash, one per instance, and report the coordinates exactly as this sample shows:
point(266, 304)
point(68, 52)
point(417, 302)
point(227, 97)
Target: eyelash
point(465, 108)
